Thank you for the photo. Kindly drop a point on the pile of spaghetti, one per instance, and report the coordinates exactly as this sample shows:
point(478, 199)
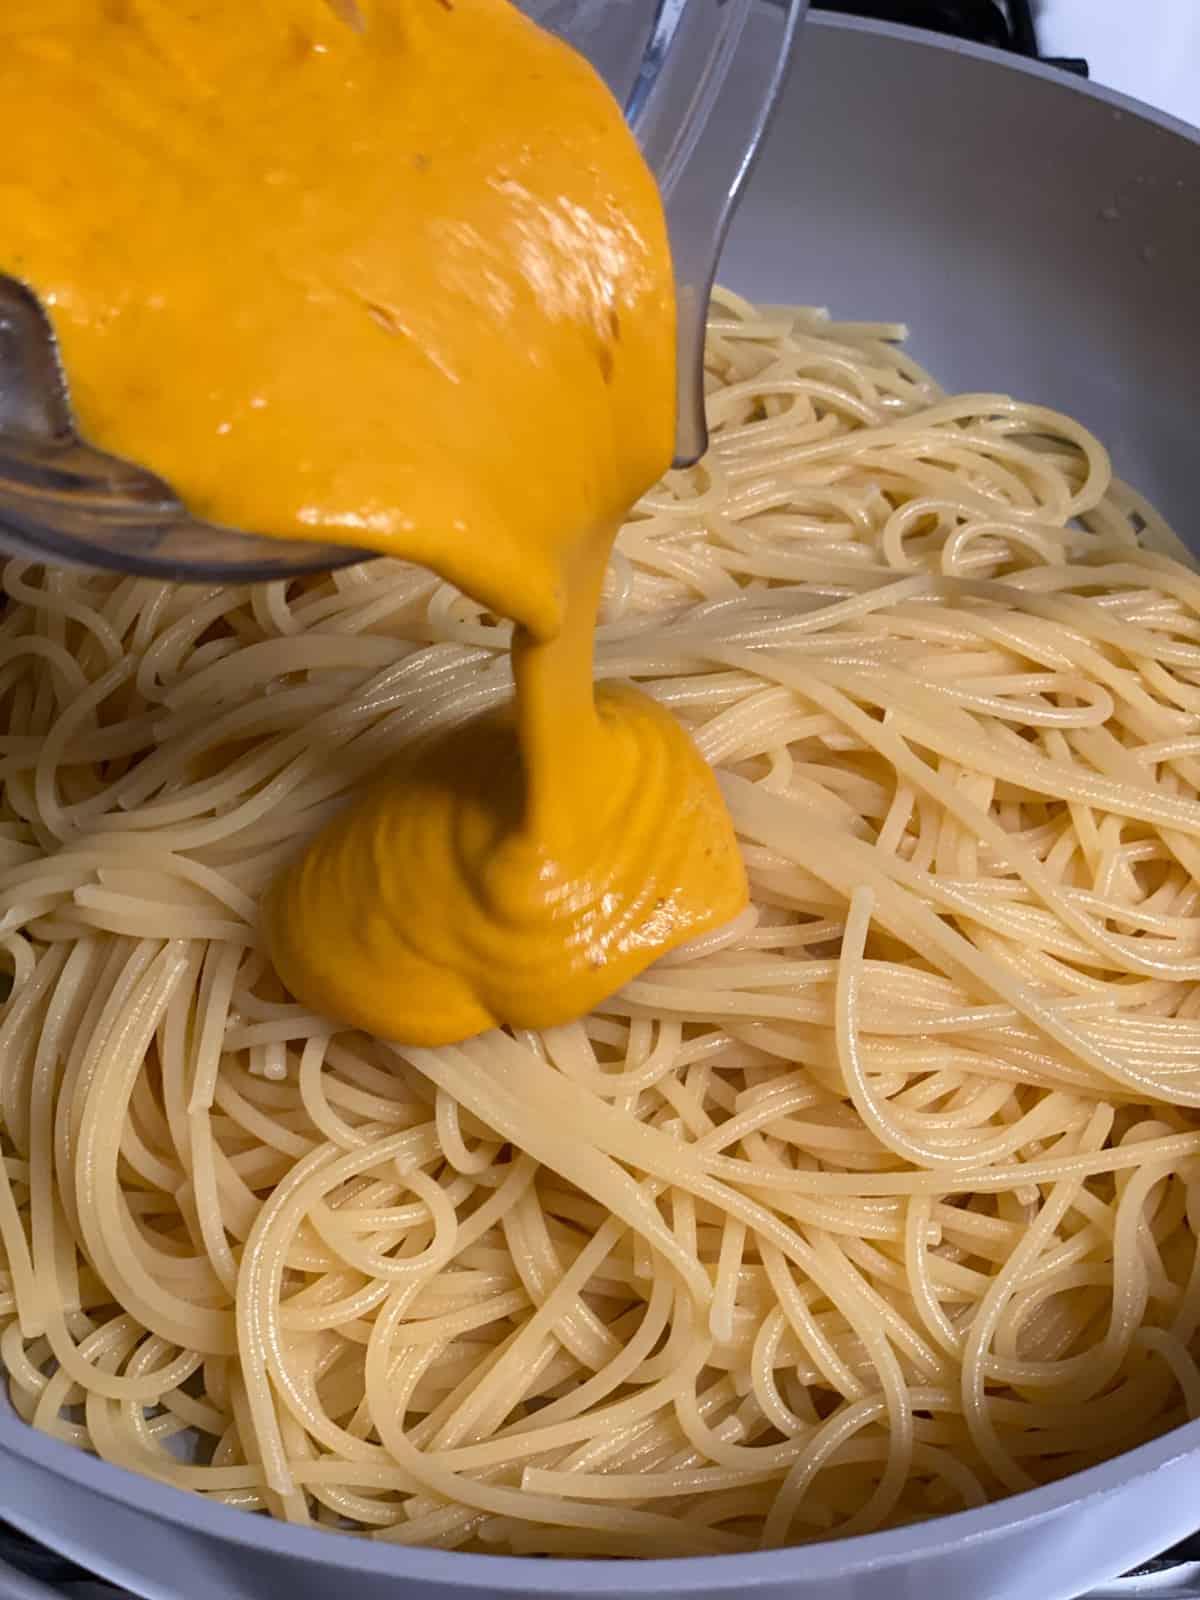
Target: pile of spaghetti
point(879, 1204)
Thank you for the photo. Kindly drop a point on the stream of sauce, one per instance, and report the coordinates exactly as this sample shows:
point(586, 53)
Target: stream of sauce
point(392, 273)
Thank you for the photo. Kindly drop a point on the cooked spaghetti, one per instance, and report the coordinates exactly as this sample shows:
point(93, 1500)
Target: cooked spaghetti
point(879, 1203)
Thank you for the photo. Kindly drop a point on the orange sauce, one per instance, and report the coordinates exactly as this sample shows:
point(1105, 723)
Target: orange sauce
point(392, 273)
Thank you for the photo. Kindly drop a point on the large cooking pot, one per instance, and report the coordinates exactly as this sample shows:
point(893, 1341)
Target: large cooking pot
point(1038, 235)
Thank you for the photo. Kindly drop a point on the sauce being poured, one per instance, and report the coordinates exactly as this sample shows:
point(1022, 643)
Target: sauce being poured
point(393, 273)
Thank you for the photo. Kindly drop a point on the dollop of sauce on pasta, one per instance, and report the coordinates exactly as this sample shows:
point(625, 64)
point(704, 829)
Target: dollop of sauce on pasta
point(392, 273)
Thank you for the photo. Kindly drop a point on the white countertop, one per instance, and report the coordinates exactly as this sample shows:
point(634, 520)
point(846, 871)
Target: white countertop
point(1146, 48)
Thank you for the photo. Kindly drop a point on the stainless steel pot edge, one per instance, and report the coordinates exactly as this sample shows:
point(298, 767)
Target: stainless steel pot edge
point(1022, 64)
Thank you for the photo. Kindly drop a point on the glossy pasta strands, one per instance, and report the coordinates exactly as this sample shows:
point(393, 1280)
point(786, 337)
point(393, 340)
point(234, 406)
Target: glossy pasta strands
point(878, 1203)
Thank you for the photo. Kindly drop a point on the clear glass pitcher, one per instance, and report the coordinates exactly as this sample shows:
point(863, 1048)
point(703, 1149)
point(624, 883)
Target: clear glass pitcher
point(698, 85)
point(697, 82)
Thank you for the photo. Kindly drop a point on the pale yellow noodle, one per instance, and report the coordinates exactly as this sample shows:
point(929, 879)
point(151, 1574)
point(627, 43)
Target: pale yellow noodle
point(879, 1203)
